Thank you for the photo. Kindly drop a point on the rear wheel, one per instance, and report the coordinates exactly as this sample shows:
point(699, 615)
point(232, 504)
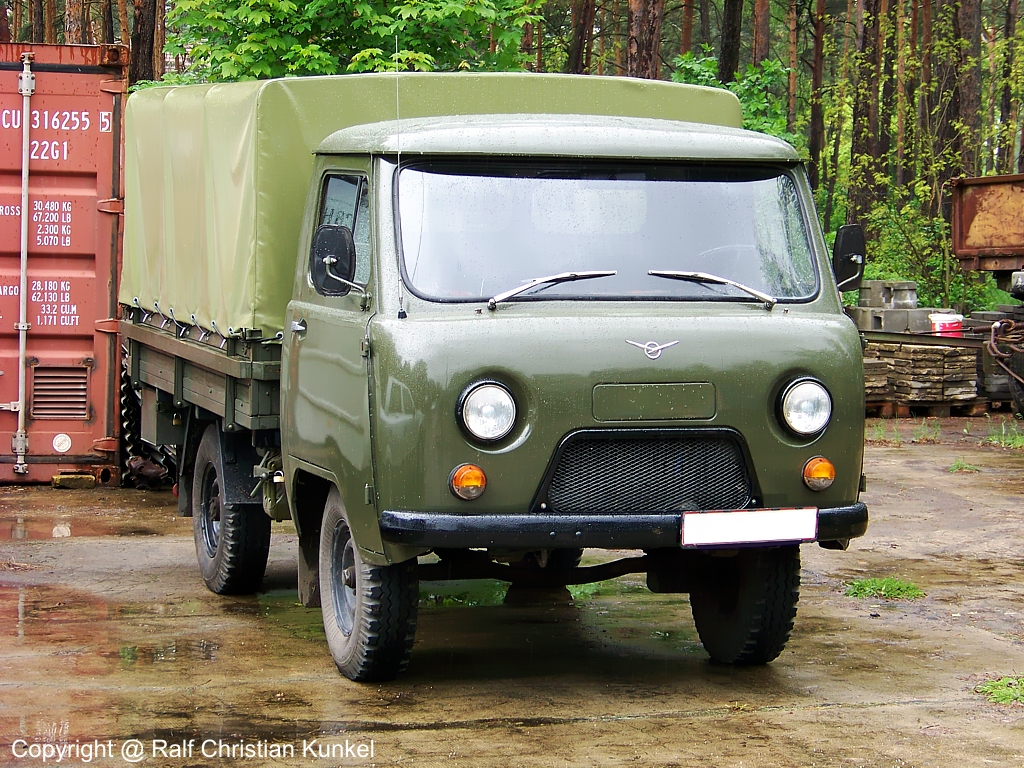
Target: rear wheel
point(369, 610)
point(232, 545)
point(744, 610)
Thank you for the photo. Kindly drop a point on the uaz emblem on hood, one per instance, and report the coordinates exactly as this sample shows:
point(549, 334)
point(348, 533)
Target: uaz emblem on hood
point(652, 348)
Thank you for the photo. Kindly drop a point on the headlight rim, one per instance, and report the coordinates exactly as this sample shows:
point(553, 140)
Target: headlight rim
point(460, 417)
point(786, 390)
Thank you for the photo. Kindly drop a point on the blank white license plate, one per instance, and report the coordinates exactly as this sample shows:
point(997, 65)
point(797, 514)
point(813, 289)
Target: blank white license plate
point(749, 526)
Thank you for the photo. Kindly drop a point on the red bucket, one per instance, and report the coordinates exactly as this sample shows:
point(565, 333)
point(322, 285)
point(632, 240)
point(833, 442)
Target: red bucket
point(947, 324)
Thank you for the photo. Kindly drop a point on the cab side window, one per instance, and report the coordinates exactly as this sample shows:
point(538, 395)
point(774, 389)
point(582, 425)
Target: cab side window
point(346, 203)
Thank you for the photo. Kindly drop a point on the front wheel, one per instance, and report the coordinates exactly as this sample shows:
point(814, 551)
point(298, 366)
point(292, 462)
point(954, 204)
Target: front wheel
point(232, 545)
point(369, 610)
point(745, 606)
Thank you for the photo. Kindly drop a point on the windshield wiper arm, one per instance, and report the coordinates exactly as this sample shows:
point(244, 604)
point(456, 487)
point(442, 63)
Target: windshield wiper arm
point(561, 277)
point(704, 277)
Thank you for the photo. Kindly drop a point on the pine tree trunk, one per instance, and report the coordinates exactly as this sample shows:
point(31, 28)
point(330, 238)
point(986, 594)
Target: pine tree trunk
point(762, 30)
point(107, 22)
point(729, 53)
point(5, 24)
point(160, 38)
point(901, 92)
point(581, 12)
point(969, 18)
point(1007, 130)
point(837, 133)
point(705, 22)
point(141, 66)
point(686, 30)
point(644, 43)
point(49, 21)
point(17, 20)
point(73, 31)
point(38, 21)
point(791, 116)
point(864, 144)
point(817, 137)
point(887, 45)
point(122, 20)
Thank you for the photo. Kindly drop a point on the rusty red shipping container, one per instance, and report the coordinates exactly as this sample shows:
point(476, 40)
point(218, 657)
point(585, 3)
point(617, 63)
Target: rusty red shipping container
point(65, 417)
point(988, 223)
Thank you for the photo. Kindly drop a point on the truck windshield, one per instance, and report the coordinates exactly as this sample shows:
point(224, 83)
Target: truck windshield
point(469, 232)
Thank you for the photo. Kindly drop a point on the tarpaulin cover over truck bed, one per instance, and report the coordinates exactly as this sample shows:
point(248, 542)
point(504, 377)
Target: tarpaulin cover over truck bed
point(216, 176)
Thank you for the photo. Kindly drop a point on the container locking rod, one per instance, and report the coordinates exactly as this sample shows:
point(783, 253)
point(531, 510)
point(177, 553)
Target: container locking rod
point(26, 87)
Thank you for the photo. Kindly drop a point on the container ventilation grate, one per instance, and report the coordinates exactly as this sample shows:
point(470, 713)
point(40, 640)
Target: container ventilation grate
point(60, 392)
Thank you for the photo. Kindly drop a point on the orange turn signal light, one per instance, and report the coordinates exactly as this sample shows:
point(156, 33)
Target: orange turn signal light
point(819, 473)
point(467, 481)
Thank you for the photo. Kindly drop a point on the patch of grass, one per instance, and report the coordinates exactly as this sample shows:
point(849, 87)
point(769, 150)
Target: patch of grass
point(1009, 435)
point(879, 434)
point(959, 465)
point(471, 593)
point(889, 588)
point(927, 432)
point(1005, 690)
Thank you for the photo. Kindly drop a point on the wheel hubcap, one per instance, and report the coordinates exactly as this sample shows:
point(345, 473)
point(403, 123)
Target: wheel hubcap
point(343, 578)
point(210, 510)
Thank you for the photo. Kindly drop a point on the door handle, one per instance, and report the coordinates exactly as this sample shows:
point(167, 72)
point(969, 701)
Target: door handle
point(299, 326)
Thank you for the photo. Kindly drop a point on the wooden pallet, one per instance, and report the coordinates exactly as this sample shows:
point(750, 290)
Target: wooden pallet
point(890, 409)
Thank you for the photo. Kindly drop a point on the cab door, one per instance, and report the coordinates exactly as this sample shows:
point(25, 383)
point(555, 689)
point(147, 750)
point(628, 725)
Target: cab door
point(325, 397)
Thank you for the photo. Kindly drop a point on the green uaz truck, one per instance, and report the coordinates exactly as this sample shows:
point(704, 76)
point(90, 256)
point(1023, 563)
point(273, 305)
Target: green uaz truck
point(497, 318)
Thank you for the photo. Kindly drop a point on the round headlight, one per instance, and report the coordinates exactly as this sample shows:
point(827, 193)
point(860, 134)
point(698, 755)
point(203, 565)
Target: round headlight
point(806, 407)
point(488, 412)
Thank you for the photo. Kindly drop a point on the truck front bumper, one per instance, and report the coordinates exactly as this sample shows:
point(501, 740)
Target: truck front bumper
point(435, 531)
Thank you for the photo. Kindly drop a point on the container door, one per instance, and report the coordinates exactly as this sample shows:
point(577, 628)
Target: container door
point(75, 201)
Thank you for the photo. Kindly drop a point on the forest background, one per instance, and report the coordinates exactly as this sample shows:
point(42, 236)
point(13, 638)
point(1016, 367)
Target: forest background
point(888, 100)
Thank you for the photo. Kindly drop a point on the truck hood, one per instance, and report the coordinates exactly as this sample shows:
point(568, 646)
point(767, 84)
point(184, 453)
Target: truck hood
point(575, 367)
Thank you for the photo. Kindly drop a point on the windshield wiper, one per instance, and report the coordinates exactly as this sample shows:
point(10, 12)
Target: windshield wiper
point(704, 277)
point(561, 277)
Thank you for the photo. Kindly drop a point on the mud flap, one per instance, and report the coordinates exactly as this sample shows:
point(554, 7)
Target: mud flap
point(238, 457)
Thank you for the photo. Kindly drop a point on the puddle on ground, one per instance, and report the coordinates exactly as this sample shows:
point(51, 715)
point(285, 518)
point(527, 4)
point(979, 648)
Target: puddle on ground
point(35, 513)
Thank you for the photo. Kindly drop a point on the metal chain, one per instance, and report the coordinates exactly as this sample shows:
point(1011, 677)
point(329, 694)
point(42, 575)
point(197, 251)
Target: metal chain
point(1005, 332)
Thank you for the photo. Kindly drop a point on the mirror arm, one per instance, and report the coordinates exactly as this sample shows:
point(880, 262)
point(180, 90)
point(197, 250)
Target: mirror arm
point(330, 261)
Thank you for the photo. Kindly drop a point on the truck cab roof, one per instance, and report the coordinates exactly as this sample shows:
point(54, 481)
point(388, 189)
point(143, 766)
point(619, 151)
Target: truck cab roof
point(539, 135)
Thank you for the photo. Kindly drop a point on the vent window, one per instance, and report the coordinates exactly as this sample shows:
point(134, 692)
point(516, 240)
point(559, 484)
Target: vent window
point(60, 393)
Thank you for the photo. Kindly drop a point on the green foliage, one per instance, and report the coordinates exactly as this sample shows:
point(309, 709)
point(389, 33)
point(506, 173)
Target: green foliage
point(1005, 690)
point(889, 588)
point(762, 91)
point(907, 244)
point(1009, 435)
point(927, 431)
point(959, 465)
point(253, 39)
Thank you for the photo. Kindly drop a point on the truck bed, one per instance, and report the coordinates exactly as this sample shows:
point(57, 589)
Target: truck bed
point(233, 378)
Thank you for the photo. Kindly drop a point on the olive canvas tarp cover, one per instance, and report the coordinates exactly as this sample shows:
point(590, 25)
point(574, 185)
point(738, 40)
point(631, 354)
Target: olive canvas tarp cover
point(216, 176)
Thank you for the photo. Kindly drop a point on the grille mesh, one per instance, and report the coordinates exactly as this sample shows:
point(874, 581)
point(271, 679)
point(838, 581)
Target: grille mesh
point(60, 393)
point(696, 472)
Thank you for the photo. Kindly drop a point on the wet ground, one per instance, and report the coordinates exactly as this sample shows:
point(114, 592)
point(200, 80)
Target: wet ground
point(107, 634)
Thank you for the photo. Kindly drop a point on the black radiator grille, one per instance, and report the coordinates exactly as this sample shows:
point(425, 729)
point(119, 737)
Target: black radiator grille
point(645, 475)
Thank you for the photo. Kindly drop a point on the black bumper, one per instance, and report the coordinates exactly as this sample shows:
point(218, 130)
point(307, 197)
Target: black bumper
point(427, 529)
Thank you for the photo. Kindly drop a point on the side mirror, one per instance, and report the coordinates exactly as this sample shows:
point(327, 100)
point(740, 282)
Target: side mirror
point(332, 260)
point(848, 257)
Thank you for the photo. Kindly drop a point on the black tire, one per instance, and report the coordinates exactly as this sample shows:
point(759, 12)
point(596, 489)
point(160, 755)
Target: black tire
point(1017, 397)
point(231, 545)
point(745, 609)
point(369, 610)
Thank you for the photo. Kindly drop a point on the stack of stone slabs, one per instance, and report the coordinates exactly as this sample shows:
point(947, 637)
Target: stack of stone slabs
point(877, 380)
point(217, 176)
point(933, 375)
